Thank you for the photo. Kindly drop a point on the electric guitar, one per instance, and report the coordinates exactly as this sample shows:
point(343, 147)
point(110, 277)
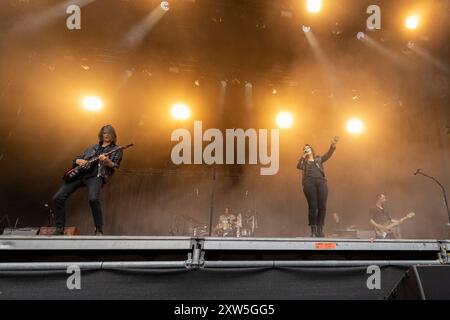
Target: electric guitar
point(74, 173)
point(382, 233)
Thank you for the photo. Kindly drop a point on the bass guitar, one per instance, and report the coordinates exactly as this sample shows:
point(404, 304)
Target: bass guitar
point(382, 233)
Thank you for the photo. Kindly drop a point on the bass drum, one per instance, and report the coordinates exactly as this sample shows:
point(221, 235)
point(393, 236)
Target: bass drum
point(245, 232)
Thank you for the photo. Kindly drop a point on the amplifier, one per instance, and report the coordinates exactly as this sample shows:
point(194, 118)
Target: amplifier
point(20, 232)
point(68, 231)
point(354, 234)
point(366, 234)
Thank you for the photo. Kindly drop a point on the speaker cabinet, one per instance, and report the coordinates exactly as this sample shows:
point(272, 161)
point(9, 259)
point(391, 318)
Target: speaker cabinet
point(20, 232)
point(424, 283)
point(68, 231)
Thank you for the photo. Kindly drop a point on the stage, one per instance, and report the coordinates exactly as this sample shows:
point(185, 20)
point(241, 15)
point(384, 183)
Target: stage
point(210, 268)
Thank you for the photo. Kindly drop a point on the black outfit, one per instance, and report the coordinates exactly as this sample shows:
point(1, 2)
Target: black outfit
point(315, 187)
point(381, 216)
point(94, 180)
point(103, 171)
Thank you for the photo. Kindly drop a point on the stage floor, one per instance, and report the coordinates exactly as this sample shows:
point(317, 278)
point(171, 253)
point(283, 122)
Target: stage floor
point(214, 243)
point(140, 267)
point(213, 252)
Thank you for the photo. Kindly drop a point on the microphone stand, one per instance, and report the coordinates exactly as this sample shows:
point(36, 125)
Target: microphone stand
point(444, 192)
point(211, 204)
point(50, 214)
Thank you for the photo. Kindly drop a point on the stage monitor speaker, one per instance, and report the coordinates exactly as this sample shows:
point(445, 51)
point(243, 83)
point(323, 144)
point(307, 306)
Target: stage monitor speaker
point(344, 233)
point(424, 283)
point(354, 234)
point(68, 231)
point(20, 232)
point(365, 234)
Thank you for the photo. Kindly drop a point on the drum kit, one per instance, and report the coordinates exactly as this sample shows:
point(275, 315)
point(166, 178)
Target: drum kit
point(229, 225)
point(185, 225)
point(239, 225)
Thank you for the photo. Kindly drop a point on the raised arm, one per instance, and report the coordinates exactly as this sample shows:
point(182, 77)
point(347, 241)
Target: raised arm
point(331, 150)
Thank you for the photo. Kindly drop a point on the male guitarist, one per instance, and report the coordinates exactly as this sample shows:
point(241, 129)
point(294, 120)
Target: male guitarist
point(93, 178)
point(380, 218)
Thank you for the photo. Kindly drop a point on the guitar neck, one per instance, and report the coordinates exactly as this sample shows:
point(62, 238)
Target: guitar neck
point(402, 219)
point(106, 154)
point(398, 222)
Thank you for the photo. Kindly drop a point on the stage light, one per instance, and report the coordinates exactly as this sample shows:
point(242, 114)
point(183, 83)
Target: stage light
point(165, 6)
point(355, 126)
point(306, 29)
point(360, 35)
point(412, 22)
point(92, 103)
point(313, 6)
point(180, 111)
point(284, 120)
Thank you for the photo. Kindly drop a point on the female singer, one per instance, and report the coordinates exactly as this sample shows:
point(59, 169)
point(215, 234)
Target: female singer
point(315, 186)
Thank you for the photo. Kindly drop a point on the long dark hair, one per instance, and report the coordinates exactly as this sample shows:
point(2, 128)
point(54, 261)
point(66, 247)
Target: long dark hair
point(312, 149)
point(111, 131)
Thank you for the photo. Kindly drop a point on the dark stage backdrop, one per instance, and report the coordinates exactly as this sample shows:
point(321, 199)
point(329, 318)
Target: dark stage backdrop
point(141, 203)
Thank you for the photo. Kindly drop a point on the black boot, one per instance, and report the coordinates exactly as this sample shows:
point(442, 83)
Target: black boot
point(58, 232)
point(320, 233)
point(313, 231)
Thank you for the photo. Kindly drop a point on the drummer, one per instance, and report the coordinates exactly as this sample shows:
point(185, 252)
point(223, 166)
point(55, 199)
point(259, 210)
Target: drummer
point(226, 225)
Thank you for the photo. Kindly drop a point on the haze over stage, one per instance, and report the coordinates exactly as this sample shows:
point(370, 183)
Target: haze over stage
point(376, 75)
point(231, 64)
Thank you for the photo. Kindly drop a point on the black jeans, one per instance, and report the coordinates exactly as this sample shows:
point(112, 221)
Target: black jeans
point(316, 192)
point(94, 186)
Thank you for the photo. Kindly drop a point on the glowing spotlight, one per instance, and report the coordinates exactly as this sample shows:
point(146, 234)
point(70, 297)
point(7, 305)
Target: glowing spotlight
point(180, 111)
point(313, 6)
point(360, 35)
point(165, 6)
point(306, 29)
point(412, 22)
point(355, 126)
point(284, 120)
point(92, 103)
